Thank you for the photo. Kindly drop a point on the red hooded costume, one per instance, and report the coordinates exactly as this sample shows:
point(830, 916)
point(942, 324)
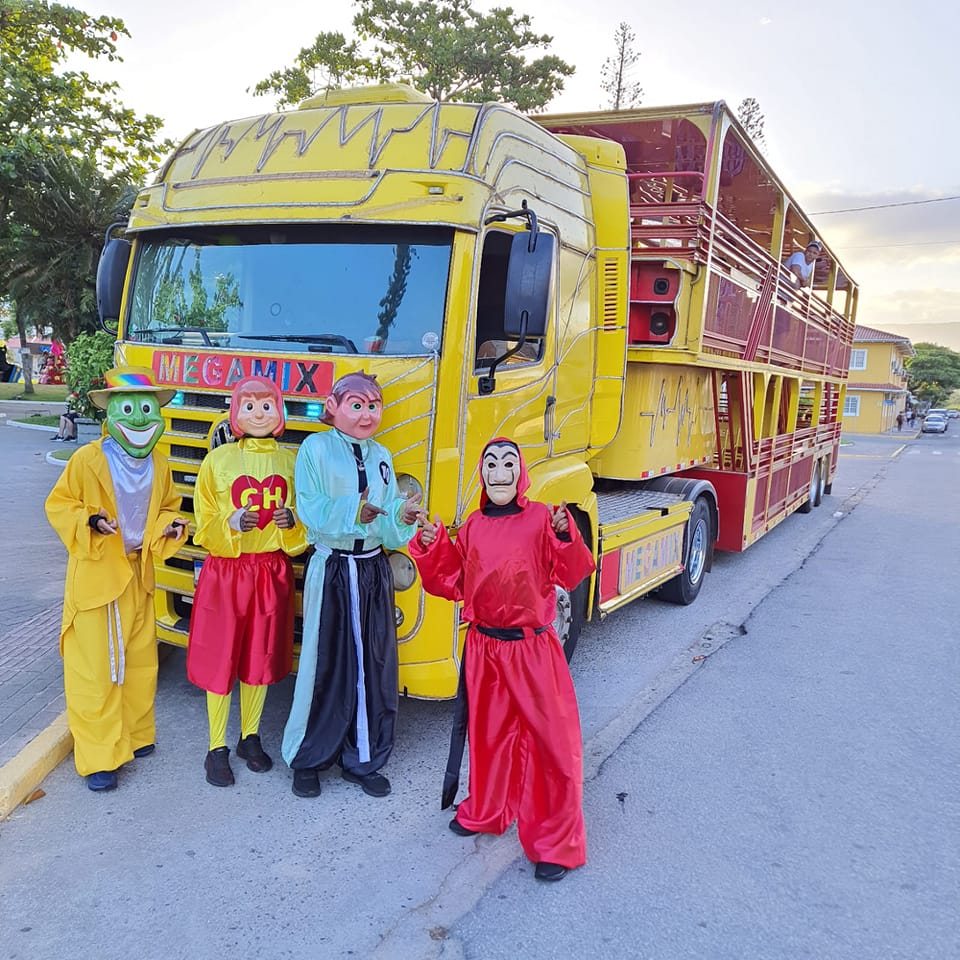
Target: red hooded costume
point(526, 754)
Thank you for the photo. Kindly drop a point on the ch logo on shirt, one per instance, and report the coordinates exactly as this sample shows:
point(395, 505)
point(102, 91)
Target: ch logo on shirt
point(221, 434)
point(263, 497)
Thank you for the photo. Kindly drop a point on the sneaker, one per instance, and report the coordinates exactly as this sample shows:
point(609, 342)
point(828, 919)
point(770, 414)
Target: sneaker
point(372, 784)
point(145, 750)
point(102, 781)
point(460, 830)
point(217, 765)
point(250, 749)
point(55, 439)
point(306, 783)
point(550, 871)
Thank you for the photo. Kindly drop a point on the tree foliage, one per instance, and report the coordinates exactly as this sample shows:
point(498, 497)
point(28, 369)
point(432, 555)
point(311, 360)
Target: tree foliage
point(750, 116)
point(933, 373)
point(49, 249)
point(447, 48)
point(615, 74)
point(89, 357)
point(42, 101)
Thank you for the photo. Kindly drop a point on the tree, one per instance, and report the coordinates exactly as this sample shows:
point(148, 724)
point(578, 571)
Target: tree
point(615, 81)
point(49, 250)
point(933, 372)
point(444, 47)
point(749, 115)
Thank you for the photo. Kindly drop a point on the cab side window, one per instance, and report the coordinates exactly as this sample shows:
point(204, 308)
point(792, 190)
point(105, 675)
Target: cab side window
point(490, 341)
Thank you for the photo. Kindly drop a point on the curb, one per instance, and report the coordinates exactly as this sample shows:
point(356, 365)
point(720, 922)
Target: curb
point(30, 426)
point(51, 459)
point(20, 776)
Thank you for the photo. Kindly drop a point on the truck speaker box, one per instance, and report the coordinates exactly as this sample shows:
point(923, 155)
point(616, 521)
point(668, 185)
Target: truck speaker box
point(651, 323)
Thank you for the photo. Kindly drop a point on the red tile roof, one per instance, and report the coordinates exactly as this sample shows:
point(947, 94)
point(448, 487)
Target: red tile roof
point(882, 387)
point(872, 335)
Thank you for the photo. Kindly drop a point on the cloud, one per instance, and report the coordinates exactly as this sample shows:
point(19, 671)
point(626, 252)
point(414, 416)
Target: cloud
point(765, 21)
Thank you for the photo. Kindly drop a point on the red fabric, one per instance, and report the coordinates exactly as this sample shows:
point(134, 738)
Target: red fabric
point(241, 626)
point(524, 737)
point(526, 757)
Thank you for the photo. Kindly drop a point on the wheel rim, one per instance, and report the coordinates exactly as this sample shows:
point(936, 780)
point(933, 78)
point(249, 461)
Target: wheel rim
point(814, 481)
point(697, 559)
point(564, 616)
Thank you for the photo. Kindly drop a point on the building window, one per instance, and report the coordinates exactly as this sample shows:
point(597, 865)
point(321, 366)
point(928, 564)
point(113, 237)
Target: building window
point(858, 359)
point(851, 407)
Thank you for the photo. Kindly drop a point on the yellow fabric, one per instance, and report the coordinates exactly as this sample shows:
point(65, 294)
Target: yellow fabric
point(252, 700)
point(98, 571)
point(214, 502)
point(108, 720)
point(218, 710)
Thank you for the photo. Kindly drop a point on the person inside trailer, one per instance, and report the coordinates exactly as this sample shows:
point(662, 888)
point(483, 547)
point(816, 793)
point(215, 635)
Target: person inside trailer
point(801, 264)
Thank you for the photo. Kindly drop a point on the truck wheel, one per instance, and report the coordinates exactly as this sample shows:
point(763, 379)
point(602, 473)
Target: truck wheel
point(571, 613)
point(820, 471)
point(812, 489)
point(698, 536)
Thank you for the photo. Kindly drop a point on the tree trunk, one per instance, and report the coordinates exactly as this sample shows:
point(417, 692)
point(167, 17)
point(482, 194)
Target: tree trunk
point(26, 359)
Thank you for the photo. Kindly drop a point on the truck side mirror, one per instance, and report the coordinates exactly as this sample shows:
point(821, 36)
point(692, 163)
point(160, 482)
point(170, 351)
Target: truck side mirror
point(111, 271)
point(529, 275)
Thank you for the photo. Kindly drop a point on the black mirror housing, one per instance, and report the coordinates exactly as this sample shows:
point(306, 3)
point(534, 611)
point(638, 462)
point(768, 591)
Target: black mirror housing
point(529, 277)
point(111, 271)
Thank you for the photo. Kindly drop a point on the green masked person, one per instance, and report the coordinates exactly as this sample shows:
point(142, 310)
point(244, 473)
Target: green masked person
point(117, 512)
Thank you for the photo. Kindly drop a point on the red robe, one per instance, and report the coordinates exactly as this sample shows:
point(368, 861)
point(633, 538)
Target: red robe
point(526, 754)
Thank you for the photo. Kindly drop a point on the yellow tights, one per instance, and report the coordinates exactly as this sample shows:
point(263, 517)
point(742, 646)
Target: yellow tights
point(251, 710)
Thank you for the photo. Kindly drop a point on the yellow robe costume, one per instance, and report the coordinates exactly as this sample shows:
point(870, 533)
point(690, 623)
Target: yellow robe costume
point(108, 636)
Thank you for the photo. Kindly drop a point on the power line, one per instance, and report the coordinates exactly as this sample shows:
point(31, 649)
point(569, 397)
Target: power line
point(884, 206)
point(883, 246)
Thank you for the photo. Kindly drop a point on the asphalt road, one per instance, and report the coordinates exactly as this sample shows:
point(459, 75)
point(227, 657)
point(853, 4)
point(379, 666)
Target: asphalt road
point(170, 867)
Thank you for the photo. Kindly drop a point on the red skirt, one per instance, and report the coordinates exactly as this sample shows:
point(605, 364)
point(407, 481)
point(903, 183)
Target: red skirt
point(241, 627)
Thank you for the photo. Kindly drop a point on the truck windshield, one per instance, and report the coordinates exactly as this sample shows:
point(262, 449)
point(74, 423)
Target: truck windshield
point(342, 289)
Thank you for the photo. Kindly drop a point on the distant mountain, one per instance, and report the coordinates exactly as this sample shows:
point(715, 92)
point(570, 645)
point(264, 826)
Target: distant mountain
point(946, 334)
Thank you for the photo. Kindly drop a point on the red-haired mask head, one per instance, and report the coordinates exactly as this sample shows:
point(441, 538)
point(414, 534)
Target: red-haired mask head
point(256, 408)
point(355, 406)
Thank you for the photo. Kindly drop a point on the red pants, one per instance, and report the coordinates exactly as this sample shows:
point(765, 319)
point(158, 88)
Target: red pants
point(526, 753)
point(241, 627)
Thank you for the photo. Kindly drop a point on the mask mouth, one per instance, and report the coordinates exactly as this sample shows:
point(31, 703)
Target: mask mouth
point(138, 438)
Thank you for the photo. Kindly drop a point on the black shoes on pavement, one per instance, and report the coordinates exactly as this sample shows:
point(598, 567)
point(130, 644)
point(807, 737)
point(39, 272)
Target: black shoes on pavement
point(372, 784)
point(306, 783)
point(217, 765)
point(550, 871)
point(460, 830)
point(251, 750)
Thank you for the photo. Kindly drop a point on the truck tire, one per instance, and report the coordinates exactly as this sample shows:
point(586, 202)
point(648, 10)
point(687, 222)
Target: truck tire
point(812, 491)
point(820, 473)
point(697, 538)
point(572, 604)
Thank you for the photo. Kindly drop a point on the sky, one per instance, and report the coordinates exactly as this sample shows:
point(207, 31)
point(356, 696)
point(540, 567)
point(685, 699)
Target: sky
point(860, 110)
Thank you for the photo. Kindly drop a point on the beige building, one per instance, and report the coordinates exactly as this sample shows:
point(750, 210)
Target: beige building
point(877, 385)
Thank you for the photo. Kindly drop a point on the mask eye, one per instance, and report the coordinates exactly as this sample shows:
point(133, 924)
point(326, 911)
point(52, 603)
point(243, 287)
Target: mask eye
point(146, 407)
point(356, 406)
point(372, 407)
point(248, 406)
point(126, 407)
point(267, 408)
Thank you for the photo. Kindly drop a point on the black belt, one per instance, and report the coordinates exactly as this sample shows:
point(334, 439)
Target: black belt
point(506, 633)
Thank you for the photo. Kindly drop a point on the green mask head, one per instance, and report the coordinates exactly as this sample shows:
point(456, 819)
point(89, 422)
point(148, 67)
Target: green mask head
point(134, 421)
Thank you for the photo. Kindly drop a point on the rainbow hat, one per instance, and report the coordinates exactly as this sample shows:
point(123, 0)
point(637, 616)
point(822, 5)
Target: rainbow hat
point(129, 380)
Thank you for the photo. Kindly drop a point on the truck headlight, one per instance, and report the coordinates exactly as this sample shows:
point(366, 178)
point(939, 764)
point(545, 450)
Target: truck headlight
point(407, 485)
point(403, 570)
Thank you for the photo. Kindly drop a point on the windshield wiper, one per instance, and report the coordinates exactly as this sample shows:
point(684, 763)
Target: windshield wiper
point(207, 342)
point(334, 339)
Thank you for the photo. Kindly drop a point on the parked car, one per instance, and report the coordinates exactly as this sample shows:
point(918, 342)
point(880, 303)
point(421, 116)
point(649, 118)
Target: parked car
point(933, 423)
point(938, 412)
point(953, 414)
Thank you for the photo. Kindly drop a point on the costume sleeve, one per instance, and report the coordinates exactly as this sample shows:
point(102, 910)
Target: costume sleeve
point(212, 515)
point(571, 559)
point(441, 564)
point(294, 541)
point(325, 515)
point(389, 529)
point(69, 514)
point(161, 546)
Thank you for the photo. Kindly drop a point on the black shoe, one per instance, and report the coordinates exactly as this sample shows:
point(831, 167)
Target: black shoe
point(145, 750)
point(306, 783)
point(460, 830)
point(102, 781)
point(217, 765)
point(373, 784)
point(250, 749)
point(550, 871)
